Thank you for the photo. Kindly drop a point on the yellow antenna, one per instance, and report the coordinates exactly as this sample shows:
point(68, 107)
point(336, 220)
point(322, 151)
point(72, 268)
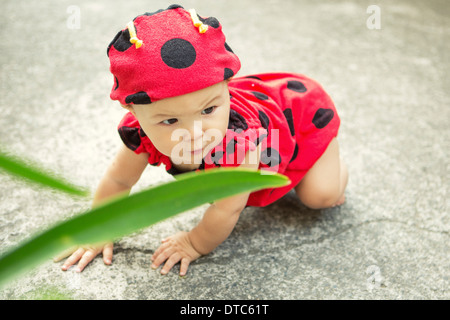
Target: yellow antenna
point(133, 38)
point(202, 28)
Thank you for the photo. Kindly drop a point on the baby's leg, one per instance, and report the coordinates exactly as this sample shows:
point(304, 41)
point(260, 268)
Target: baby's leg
point(324, 184)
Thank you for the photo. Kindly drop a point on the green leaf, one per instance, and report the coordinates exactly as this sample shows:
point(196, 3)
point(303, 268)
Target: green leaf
point(19, 168)
point(124, 215)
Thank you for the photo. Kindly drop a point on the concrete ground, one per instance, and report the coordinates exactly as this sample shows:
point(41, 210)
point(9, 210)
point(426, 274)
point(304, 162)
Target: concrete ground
point(390, 240)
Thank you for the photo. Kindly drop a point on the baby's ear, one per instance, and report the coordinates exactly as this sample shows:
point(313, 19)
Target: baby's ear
point(129, 107)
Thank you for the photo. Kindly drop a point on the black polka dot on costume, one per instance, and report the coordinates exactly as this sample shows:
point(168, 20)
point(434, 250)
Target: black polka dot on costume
point(236, 121)
point(174, 6)
point(270, 157)
point(296, 86)
point(178, 53)
point(121, 41)
point(228, 73)
point(216, 156)
point(260, 139)
point(260, 96)
point(294, 155)
point(322, 117)
point(210, 21)
point(202, 165)
point(231, 146)
point(149, 14)
point(138, 98)
point(288, 114)
point(171, 7)
point(142, 133)
point(130, 137)
point(264, 119)
point(227, 47)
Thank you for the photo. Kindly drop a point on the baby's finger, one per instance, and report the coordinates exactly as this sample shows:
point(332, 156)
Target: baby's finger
point(170, 263)
point(73, 259)
point(161, 257)
point(64, 254)
point(87, 257)
point(184, 266)
point(108, 253)
point(158, 251)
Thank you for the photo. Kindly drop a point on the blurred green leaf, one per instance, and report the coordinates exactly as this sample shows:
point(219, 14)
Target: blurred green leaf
point(19, 168)
point(124, 215)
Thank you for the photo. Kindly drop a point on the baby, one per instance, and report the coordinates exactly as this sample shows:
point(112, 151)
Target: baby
point(174, 73)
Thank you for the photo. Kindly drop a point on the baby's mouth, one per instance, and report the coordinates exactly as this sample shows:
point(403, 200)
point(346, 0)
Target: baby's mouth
point(197, 152)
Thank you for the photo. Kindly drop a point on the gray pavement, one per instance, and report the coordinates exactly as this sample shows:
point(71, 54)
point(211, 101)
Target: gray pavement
point(390, 240)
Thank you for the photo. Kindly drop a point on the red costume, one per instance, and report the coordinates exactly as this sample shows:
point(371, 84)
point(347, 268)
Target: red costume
point(169, 53)
point(295, 105)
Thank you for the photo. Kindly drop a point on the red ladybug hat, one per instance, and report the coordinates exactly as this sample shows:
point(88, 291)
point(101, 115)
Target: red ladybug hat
point(168, 53)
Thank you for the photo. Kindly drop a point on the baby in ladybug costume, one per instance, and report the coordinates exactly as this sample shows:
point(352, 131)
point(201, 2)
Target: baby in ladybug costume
point(175, 74)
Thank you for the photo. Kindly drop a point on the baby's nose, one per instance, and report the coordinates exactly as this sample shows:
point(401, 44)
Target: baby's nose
point(195, 131)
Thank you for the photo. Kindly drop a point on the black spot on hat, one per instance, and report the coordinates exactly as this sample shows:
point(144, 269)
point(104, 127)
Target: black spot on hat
point(178, 53)
point(138, 98)
point(294, 155)
point(288, 114)
point(264, 119)
point(270, 157)
point(322, 117)
point(173, 6)
point(260, 96)
point(227, 47)
point(296, 86)
point(121, 41)
point(149, 14)
point(130, 137)
point(210, 21)
point(228, 73)
point(237, 121)
point(111, 43)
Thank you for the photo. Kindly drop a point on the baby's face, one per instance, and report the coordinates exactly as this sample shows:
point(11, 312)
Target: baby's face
point(185, 128)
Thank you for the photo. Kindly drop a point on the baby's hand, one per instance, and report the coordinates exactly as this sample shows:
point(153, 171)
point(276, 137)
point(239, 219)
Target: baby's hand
point(85, 254)
point(174, 249)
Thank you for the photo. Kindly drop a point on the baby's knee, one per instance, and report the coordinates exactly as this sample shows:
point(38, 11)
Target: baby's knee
point(320, 197)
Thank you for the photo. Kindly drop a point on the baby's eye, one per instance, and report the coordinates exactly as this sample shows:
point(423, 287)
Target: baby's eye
point(169, 121)
point(209, 110)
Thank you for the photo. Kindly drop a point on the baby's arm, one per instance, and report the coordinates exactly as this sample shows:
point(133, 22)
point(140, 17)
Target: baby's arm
point(218, 222)
point(216, 225)
point(121, 176)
